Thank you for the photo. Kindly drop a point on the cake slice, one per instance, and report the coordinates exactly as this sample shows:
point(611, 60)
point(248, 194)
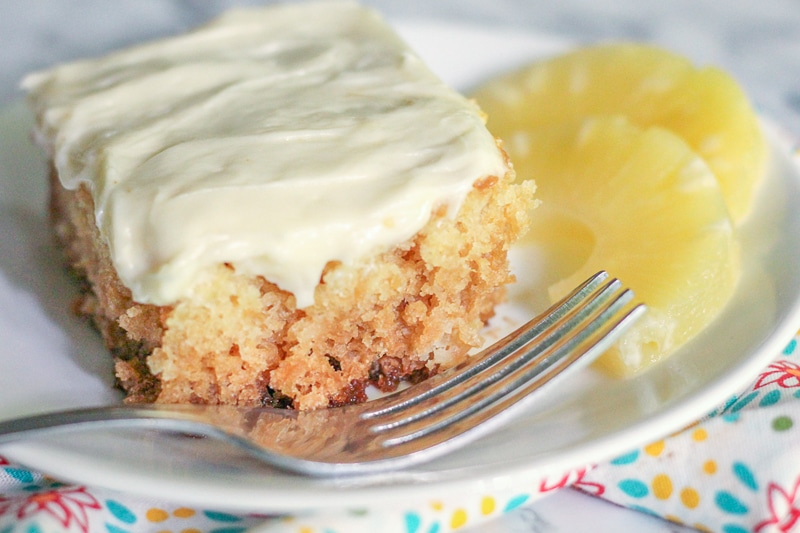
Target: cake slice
point(278, 208)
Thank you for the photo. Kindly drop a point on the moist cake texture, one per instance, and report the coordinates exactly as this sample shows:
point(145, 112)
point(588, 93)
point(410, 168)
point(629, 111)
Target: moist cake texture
point(278, 208)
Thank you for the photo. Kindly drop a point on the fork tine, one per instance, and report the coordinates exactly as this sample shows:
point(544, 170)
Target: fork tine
point(527, 346)
point(508, 346)
point(533, 353)
point(577, 341)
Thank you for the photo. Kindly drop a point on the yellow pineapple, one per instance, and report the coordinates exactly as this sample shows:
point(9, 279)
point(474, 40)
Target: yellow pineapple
point(651, 87)
point(640, 203)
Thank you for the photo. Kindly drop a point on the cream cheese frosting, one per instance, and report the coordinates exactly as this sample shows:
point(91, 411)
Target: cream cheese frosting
point(274, 139)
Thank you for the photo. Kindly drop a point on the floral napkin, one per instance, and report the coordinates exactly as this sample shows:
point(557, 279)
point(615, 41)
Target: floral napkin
point(735, 471)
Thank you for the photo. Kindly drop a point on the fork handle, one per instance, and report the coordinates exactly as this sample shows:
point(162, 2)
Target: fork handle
point(172, 418)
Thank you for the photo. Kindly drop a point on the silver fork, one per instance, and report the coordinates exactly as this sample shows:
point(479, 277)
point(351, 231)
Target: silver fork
point(415, 425)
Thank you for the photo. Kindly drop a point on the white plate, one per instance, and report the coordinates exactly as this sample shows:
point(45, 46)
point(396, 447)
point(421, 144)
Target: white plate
point(49, 359)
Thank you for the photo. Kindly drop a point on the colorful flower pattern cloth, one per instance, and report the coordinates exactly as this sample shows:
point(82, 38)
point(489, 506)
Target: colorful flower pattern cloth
point(33, 503)
point(735, 471)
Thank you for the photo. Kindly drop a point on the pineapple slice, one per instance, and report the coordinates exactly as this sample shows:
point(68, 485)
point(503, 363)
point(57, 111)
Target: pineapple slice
point(651, 87)
point(640, 203)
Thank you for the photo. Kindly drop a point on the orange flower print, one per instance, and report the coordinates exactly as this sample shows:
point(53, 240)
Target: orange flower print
point(785, 374)
point(69, 506)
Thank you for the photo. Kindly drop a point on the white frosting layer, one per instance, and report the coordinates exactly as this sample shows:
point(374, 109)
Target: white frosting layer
point(276, 139)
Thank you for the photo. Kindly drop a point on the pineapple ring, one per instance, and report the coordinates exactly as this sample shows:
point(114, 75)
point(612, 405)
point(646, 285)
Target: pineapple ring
point(655, 217)
point(651, 87)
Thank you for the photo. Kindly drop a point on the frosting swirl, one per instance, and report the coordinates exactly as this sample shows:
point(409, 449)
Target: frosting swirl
point(274, 139)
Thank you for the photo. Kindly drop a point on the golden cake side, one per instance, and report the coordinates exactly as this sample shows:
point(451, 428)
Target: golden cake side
point(316, 211)
point(403, 315)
